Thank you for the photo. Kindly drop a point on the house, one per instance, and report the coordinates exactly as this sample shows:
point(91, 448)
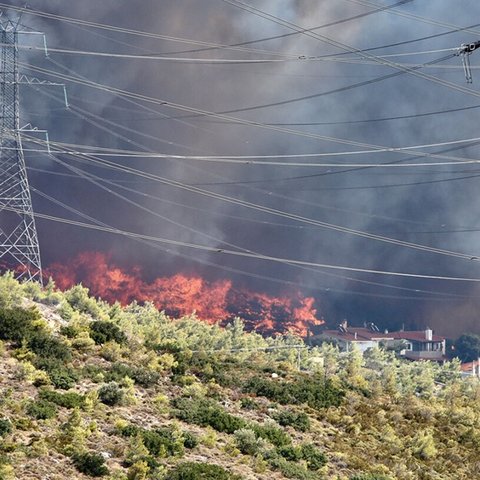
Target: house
point(422, 345)
point(471, 369)
point(346, 337)
point(417, 344)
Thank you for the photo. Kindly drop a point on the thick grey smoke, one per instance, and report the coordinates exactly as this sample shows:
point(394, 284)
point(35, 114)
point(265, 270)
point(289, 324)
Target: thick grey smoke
point(442, 214)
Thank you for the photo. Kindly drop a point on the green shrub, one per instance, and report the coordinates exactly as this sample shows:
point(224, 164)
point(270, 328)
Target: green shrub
point(204, 412)
point(297, 420)
point(199, 471)
point(79, 299)
point(18, 324)
point(46, 346)
point(313, 456)
point(163, 442)
point(103, 332)
point(118, 372)
point(190, 440)
point(110, 394)
point(248, 403)
point(69, 331)
point(66, 400)
point(90, 464)
point(369, 476)
point(292, 470)
point(41, 409)
point(247, 442)
point(144, 377)
point(11, 292)
point(275, 435)
point(315, 391)
point(5, 427)
point(61, 376)
point(290, 453)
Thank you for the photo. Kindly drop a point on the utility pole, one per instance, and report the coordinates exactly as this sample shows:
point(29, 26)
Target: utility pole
point(19, 246)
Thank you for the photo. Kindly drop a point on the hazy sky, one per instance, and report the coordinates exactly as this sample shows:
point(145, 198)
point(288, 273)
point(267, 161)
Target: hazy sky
point(346, 98)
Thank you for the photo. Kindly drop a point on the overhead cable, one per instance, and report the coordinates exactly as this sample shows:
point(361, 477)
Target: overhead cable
point(245, 254)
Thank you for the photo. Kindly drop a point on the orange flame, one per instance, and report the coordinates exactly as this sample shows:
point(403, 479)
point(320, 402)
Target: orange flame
point(181, 294)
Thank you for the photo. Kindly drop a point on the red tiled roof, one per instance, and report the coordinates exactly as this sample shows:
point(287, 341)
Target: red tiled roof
point(469, 366)
point(363, 334)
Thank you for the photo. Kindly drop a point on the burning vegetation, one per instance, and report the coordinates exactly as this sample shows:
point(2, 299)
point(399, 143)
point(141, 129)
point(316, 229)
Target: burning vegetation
point(182, 294)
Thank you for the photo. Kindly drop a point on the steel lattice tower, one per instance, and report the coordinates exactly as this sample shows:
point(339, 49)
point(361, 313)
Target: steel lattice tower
point(19, 246)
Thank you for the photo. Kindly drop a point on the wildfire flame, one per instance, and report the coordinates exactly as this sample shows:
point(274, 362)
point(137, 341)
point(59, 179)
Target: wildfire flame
point(181, 294)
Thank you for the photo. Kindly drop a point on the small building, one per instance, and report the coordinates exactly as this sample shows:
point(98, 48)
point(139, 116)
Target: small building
point(346, 337)
point(471, 369)
point(418, 344)
point(422, 345)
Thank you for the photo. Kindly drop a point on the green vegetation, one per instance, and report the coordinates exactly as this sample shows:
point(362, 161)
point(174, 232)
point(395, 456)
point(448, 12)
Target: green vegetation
point(90, 464)
point(111, 394)
point(102, 332)
point(467, 347)
point(200, 471)
point(205, 412)
point(160, 442)
point(316, 392)
point(18, 324)
point(298, 420)
point(130, 394)
point(41, 409)
point(5, 427)
point(67, 400)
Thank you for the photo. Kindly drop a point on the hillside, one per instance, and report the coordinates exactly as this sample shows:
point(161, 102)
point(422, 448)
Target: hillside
point(91, 389)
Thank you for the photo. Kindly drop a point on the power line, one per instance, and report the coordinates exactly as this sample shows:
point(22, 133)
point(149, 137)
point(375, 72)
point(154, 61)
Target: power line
point(246, 254)
point(273, 211)
point(235, 120)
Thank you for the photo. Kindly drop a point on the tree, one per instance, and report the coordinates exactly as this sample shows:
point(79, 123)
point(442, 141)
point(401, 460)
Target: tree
point(467, 347)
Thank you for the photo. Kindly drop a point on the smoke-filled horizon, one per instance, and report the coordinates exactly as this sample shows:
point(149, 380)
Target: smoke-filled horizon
point(299, 101)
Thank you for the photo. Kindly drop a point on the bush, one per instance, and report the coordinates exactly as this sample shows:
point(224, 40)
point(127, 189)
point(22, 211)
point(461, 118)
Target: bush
point(369, 476)
point(270, 432)
point(41, 409)
point(69, 331)
point(160, 442)
point(90, 464)
point(199, 471)
point(103, 332)
point(315, 391)
point(248, 403)
point(292, 470)
point(46, 346)
point(190, 440)
point(60, 375)
point(18, 324)
point(247, 442)
point(315, 458)
point(142, 376)
point(290, 453)
point(67, 400)
point(204, 412)
point(5, 427)
point(110, 394)
point(297, 420)
point(79, 299)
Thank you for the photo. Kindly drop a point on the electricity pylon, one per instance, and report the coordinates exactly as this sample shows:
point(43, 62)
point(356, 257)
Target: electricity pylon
point(19, 246)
